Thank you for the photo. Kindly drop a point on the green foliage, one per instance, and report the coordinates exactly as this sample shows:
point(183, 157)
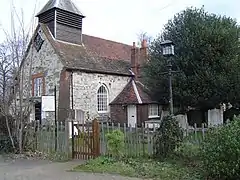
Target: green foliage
point(142, 168)
point(106, 165)
point(167, 137)
point(115, 143)
point(188, 151)
point(221, 151)
point(206, 53)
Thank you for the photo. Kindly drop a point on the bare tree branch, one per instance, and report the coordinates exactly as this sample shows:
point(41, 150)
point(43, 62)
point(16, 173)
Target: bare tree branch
point(14, 101)
point(143, 36)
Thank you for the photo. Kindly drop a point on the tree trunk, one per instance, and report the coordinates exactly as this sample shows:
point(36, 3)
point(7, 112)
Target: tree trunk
point(20, 141)
point(9, 132)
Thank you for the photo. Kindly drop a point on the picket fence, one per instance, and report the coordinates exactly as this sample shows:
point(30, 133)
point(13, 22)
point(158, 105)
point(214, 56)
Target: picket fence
point(48, 138)
point(138, 140)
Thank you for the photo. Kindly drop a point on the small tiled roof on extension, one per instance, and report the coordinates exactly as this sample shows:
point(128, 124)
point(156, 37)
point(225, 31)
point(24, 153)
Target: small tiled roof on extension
point(95, 55)
point(133, 93)
point(127, 96)
point(143, 93)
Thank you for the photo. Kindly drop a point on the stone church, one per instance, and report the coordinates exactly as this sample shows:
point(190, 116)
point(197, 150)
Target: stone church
point(94, 77)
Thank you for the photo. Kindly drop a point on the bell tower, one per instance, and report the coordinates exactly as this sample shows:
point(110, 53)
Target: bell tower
point(63, 19)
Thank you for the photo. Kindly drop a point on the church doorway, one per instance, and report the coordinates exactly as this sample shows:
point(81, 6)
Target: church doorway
point(38, 112)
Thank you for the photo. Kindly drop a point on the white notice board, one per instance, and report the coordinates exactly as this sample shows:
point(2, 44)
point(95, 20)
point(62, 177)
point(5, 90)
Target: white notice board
point(48, 103)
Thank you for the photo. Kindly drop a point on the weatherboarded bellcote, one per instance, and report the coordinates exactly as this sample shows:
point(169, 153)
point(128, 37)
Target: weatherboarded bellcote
point(63, 19)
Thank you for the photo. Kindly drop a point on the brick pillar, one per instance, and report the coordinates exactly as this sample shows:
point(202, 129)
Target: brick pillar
point(142, 57)
point(143, 52)
point(138, 58)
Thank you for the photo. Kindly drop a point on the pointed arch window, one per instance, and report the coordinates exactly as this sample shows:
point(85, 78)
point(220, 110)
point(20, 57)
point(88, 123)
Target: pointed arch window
point(102, 99)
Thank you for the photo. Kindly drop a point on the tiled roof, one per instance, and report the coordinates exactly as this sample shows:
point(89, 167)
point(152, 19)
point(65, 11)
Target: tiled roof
point(107, 49)
point(143, 93)
point(127, 96)
point(96, 54)
point(133, 93)
point(66, 5)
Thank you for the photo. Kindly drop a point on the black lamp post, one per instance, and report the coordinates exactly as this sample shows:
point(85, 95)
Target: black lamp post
point(168, 51)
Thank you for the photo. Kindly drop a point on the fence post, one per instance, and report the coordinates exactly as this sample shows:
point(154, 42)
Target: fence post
point(142, 140)
point(36, 134)
point(96, 133)
point(195, 132)
point(203, 131)
point(55, 117)
point(67, 136)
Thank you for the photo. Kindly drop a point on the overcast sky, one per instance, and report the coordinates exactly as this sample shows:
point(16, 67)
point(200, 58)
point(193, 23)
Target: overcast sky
point(120, 20)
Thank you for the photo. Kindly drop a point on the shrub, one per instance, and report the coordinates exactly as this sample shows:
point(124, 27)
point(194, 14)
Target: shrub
point(188, 151)
point(167, 137)
point(3, 127)
point(115, 143)
point(221, 151)
point(5, 141)
point(6, 144)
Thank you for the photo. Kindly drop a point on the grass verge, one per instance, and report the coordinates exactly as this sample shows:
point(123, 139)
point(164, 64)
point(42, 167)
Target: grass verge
point(142, 168)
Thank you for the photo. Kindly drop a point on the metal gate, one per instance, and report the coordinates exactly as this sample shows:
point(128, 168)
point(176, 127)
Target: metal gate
point(86, 141)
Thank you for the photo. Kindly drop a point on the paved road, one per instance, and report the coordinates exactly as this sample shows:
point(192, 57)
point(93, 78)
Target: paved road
point(44, 170)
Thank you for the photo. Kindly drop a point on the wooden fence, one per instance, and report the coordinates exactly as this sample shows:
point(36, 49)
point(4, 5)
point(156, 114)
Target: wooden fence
point(86, 140)
point(138, 141)
point(48, 138)
point(195, 134)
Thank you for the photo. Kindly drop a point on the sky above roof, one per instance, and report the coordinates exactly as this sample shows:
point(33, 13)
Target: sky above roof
point(118, 20)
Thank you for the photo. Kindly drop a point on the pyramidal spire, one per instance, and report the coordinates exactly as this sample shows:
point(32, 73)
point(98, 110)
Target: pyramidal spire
point(66, 5)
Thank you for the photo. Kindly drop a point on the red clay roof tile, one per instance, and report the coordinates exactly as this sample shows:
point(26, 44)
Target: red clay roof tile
point(107, 49)
point(128, 95)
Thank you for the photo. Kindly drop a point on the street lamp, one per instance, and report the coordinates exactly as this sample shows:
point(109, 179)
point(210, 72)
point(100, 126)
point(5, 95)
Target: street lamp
point(168, 51)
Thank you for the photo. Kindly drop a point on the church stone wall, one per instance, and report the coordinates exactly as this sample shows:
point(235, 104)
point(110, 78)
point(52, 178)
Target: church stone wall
point(86, 85)
point(46, 62)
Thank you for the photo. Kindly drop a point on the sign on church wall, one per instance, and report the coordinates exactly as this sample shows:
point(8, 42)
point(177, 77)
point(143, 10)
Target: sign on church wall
point(48, 103)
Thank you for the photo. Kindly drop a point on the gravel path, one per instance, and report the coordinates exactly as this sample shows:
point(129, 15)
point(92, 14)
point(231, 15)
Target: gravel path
point(44, 170)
